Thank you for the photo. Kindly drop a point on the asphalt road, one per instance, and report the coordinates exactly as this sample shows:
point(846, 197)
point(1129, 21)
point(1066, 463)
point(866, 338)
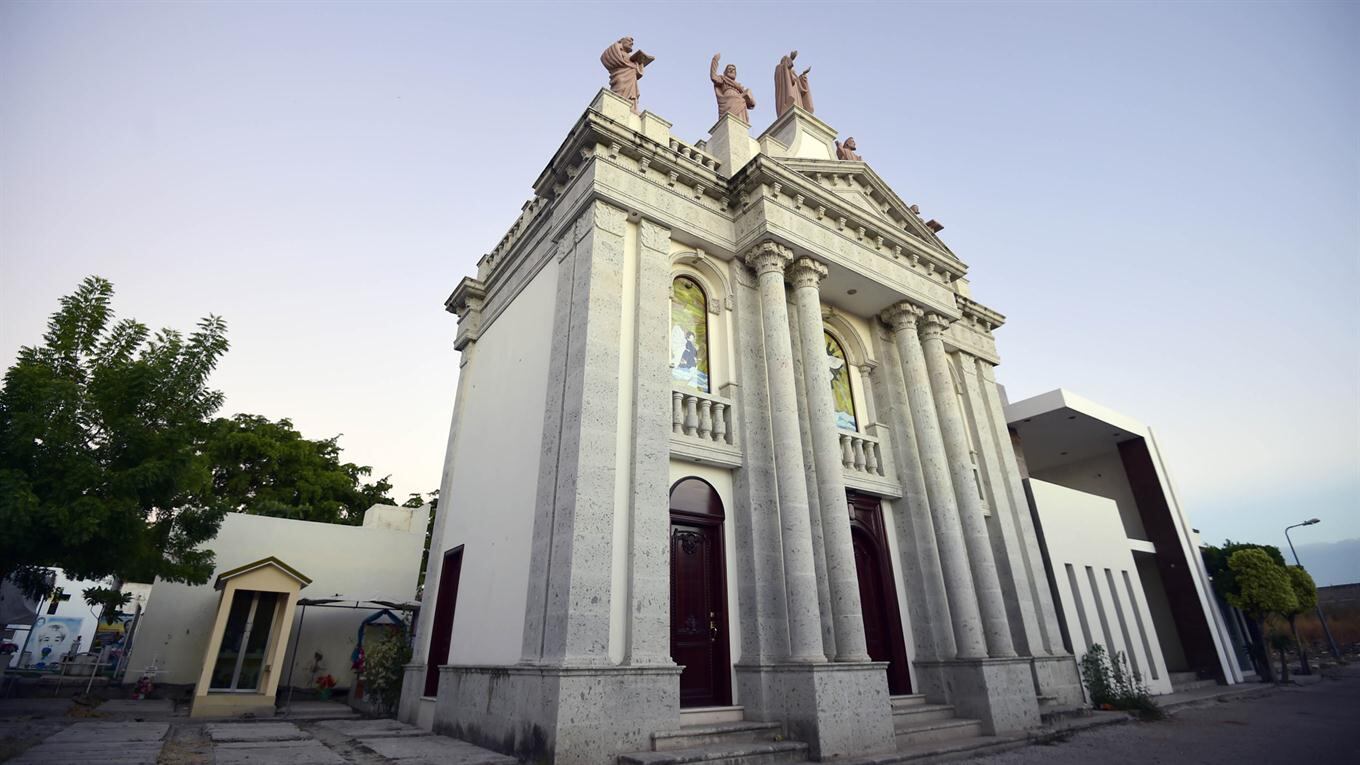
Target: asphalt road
point(1312, 725)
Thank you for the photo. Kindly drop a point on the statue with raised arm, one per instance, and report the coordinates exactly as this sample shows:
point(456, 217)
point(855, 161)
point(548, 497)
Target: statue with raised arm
point(625, 67)
point(733, 97)
point(790, 88)
point(847, 150)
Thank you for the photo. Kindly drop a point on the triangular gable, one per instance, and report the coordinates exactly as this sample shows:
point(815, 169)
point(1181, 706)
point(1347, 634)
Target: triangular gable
point(270, 562)
point(857, 184)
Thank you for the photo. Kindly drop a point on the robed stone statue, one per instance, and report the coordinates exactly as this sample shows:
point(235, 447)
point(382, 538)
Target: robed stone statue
point(847, 150)
point(790, 88)
point(625, 67)
point(733, 97)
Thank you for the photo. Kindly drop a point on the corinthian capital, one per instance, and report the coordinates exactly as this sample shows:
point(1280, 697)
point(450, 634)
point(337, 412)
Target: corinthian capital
point(901, 317)
point(807, 272)
point(934, 325)
point(769, 256)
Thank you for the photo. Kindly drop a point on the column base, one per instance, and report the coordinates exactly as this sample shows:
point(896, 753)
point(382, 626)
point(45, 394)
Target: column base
point(1057, 678)
point(563, 715)
point(998, 692)
point(412, 683)
point(839, 709)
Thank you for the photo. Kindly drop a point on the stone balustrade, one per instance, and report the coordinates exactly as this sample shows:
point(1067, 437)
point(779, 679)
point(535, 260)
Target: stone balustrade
point(702, 416)
point(861, 454)
point(693, 153)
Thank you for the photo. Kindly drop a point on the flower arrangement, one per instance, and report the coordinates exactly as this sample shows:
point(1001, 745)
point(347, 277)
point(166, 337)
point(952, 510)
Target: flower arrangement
point(324, 684)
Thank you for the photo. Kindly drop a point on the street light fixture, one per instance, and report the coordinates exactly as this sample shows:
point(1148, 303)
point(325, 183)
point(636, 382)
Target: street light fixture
point(1327, 631)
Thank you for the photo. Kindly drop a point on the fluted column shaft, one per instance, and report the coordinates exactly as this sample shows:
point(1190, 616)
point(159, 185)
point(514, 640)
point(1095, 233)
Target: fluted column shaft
point(975, 536)
point(958, 579)
point(769, 260)
point(846, 617)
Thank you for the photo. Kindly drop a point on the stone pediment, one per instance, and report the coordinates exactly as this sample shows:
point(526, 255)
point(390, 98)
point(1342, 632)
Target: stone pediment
point(857, 184)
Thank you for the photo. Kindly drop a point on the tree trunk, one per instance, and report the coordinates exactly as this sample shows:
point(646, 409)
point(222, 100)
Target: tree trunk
point(1260, 652)
point(1304, 669)
point(1284, 667)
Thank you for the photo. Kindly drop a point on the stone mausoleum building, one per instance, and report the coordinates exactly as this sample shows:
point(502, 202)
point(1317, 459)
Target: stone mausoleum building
point(728, 466)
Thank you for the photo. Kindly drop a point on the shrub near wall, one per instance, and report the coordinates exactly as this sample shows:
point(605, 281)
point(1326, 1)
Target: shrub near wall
point(1113, 684)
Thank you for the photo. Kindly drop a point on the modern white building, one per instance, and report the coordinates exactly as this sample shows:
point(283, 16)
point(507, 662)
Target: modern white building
point(378, 560)
point(728, 464)
point(1123, 557)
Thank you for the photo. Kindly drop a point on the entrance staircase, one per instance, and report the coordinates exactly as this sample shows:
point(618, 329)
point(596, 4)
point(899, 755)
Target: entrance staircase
point(916, 721)
point(1189, 681)
point(719, 736)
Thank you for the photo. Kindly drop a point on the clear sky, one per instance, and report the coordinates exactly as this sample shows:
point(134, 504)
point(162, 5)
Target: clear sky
point(1164, 199)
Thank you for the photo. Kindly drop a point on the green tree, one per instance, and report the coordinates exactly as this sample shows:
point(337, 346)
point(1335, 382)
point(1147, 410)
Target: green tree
point(1263, 588)
point(267, 468)
point(1305, 595)
point(100, 467)
point(1225, 584)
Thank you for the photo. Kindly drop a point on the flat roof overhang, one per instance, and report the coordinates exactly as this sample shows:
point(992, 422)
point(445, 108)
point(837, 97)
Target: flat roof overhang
point(1059, 427)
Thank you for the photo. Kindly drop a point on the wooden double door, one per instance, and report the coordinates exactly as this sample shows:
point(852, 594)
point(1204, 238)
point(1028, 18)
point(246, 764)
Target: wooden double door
point(878, 590)
point(699, 636)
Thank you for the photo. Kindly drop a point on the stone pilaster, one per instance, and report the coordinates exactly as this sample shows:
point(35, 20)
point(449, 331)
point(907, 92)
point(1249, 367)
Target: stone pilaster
point(769, 260)
point(649, 633)
point(988, 585)
point(963, 605)
point(842, 577)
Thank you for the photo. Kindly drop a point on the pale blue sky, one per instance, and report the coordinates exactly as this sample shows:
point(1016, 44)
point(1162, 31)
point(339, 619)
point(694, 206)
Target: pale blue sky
point(1164, 199)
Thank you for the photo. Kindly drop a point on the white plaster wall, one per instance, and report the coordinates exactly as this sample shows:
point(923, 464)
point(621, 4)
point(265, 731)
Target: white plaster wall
point(75, 608)
point(1104, 476)
point(490, 491)
point(721, 480)
point(356, 561)
point(1086, 542)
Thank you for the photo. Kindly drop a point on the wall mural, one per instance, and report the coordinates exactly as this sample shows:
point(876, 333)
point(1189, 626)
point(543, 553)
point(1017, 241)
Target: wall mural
point(689, 335)
point(840, 385)
point(53, 637)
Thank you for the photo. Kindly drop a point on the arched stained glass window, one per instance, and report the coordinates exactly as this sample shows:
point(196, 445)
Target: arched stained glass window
point(689, 335)
point(840, 385)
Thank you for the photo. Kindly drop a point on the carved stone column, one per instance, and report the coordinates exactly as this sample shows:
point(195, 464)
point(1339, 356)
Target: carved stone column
point(963, 604)
point(842, 577)
point(952, 427)
point(769, 260)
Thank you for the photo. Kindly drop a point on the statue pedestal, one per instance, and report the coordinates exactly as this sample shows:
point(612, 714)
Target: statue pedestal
point(731, 144)
point(799, 134)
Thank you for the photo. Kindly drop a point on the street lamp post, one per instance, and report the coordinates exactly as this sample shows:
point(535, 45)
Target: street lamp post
point(1323, 619)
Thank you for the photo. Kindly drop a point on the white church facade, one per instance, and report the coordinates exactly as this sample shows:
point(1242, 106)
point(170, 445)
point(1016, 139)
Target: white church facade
point(728, 462)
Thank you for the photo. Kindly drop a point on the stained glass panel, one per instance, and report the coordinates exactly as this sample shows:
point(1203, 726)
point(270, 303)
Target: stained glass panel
point(689, 335)
point(840, 385)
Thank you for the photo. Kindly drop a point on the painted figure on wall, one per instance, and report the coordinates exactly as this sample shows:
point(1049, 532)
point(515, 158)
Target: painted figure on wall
point(53, 638)
point(791, 89)
point(625, 67)
point(689, 335)
point(733, 97)
point(840, 385)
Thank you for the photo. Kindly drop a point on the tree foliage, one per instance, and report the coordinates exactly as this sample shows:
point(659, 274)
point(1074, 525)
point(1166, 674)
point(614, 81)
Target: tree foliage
point(268, 468)
point(1305, 590)
point(100, 470)
point(1263, 585)
point(1222, 575)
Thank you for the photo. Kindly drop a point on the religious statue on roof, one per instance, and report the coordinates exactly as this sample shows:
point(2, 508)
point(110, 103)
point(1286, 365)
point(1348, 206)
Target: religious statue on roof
point(733, 97)
point(790, 88)
point(847, 150)
point(625, 67)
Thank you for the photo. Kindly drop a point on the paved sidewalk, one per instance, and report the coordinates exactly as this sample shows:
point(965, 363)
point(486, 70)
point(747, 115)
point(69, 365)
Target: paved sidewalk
point(115, 743)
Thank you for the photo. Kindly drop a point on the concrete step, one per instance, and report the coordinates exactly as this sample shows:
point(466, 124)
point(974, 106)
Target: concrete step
point(754, 753)
point(1177, 678)
point(907, 700)
point(1192, 685)
point(709, 715)
point(733, 733)
point(936, 731)
point(1051, 713)
point(905, 717)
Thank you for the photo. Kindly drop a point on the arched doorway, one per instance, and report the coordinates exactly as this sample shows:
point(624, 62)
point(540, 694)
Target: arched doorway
point(877, 590)
point(699, 637)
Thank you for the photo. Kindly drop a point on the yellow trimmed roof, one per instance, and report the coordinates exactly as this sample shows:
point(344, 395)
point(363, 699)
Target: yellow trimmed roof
point(271, 561)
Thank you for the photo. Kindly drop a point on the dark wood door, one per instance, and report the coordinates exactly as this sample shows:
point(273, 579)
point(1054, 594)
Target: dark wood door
point(877, 591)
point(441, 626)
point(699, 613)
